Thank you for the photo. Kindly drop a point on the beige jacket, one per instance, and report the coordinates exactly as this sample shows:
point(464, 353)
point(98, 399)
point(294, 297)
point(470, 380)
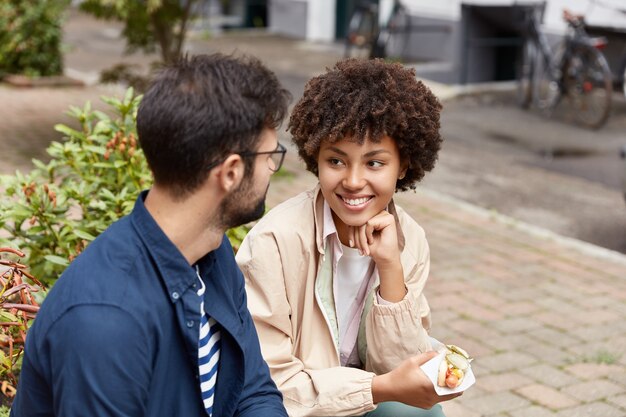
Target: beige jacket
point(283, 260)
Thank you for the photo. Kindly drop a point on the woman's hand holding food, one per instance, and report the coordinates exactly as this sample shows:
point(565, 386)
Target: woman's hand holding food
point(408, 384)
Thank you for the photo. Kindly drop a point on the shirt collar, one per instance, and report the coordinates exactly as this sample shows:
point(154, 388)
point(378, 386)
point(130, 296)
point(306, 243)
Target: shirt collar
point(329, 222)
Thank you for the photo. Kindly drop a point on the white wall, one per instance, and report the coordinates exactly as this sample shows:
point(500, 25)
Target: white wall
point(597, 12)
point(321, 20)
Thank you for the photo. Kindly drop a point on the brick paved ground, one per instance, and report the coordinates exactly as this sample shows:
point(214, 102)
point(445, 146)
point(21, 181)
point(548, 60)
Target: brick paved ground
point(545, 318)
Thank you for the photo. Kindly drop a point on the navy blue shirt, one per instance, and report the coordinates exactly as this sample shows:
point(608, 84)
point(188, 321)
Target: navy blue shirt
point(118, 333)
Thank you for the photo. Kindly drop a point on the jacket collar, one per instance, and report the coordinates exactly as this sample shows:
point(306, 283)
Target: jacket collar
point(177, 274)
point(318, 213)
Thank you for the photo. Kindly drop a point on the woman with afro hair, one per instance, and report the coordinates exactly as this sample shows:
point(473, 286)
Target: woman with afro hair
point(335, 276)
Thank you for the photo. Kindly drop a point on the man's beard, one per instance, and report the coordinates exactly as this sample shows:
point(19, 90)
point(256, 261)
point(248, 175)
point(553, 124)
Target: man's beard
point(242, 206)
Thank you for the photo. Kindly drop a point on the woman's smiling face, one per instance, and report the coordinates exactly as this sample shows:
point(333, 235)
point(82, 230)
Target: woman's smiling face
point(358, 181)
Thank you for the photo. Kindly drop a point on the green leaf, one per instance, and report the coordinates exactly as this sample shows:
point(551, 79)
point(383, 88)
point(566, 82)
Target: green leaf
point(102, 165)
point(6, 316)
point(111, 101)
point(84, 235)
point(68, 131)
point(57, 260)
point(129, 95)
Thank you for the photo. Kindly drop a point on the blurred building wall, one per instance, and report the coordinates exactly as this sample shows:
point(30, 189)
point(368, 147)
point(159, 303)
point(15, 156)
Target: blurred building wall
point(468, 40)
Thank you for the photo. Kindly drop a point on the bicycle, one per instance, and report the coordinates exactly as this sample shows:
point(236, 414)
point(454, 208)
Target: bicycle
point(576, 70)
point(372, 40)
point(362, 30)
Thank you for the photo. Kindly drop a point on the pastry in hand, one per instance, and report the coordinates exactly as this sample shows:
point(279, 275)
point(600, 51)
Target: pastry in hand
point(453, 367)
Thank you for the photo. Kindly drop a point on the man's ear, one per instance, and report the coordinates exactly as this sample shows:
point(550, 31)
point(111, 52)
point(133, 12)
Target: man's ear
point(230, 173)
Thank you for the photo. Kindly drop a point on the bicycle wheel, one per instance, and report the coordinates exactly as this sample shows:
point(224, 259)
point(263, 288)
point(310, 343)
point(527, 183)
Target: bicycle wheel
point(362, 28)
point(525, 74)
point(546, 86)
point(588, 84)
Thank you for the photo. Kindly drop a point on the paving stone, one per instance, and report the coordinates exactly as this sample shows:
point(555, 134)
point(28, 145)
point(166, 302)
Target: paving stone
point(553, 336)
point(596, 409)
point(455, 409)
point(515, 309)
point(586, 371)
point(507, 361)
point(549, 375)
point(554, 355)
point(596, 316)
point(496, 403)
point(473, 329)
point(516, 325)
point(511, 342)
point(533, 411)
point(557, 320)
point(619, 400)
point(547, 396)
point(503, 382)
point(598, 332)
point(594, 390)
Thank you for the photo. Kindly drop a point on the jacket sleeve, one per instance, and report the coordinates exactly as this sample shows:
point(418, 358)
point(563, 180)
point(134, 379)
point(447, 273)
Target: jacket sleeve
point(337, 391)
point(104, 371)
point(397, 331)
point(259, 397)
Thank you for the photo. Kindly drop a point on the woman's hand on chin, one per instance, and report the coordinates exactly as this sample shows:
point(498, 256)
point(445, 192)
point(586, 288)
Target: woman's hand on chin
point(377, 238)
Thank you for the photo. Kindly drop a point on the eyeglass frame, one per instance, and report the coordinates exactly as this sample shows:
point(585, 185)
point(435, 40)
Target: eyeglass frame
point(280, 148)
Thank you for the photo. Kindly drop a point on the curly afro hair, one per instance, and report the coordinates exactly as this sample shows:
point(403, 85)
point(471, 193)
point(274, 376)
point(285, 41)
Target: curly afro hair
point(368, 99)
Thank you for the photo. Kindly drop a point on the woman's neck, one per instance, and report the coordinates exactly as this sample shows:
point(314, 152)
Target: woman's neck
point(343, 230)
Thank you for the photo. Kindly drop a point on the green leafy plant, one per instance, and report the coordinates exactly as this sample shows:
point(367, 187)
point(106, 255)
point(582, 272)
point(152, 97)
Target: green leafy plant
point(18, 308)
point(148, 23)
point(92, 179)
point(30, 37)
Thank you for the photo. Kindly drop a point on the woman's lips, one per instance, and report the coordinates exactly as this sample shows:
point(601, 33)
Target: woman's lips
point(355, 203)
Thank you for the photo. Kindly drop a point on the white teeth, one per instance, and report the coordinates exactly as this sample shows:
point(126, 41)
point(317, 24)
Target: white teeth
point(356, 201)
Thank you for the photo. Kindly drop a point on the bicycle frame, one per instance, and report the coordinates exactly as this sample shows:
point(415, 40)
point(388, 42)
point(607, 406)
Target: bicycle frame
point(577, 70)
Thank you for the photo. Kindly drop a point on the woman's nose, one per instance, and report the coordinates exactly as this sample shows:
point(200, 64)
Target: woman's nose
point(354, 179)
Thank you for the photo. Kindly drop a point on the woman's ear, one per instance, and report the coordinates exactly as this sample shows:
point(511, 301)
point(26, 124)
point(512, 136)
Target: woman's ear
point(404, 167)
point(230, 173)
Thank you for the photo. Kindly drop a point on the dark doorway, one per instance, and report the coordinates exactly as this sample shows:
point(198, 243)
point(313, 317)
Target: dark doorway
point(491, 42)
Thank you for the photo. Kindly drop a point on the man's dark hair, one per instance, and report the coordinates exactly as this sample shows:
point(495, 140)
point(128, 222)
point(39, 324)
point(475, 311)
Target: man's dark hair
point(368, 99)
point(200, 110)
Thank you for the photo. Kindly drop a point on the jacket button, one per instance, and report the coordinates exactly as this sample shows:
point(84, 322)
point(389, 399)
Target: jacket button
point(175, 295)
point(189, 323)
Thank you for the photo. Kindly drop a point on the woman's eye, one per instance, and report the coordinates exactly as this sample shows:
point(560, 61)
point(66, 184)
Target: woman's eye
point(335, 161)
point(376, 164)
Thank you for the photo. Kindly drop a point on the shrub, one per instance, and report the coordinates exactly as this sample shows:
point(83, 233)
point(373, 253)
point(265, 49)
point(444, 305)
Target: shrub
point(30, 37)
point(18, 308)
point(93, 179)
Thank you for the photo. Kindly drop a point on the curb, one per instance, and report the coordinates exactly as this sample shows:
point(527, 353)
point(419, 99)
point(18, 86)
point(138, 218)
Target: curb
point(568, 242)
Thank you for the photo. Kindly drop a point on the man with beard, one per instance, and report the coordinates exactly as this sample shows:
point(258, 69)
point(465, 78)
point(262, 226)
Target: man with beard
point(151, 320)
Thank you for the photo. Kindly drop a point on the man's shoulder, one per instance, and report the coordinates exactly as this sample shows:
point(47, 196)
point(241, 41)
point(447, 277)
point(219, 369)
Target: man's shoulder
point(100, 275)
point(112, 254)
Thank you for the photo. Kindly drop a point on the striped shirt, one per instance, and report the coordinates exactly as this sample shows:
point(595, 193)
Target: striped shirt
point(208, 352)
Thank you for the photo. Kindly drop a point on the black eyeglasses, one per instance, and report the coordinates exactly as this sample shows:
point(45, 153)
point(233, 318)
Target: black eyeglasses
point(277, 156)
